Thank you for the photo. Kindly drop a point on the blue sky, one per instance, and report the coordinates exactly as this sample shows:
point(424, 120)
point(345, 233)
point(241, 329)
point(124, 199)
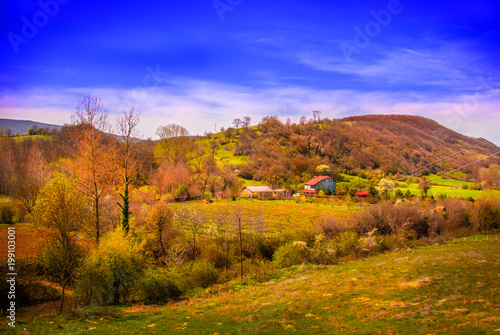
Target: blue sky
point(202, 64)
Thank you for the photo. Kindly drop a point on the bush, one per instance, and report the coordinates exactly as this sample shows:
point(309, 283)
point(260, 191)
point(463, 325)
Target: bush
point(111, 271)
point(332, 226)
point(292, 253)
point(486, 214)
point(347, 243)
point(200, 274)
point(156, 285)
point(392, 219)
point(6, 213)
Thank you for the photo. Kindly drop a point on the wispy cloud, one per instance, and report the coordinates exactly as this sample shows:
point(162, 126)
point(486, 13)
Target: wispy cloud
point(200, 105)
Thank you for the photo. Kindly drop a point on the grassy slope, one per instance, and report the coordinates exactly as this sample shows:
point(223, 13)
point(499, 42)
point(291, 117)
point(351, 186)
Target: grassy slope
point(448, 289)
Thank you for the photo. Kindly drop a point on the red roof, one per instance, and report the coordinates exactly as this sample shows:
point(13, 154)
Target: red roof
point(316, 180)
point(361, 193)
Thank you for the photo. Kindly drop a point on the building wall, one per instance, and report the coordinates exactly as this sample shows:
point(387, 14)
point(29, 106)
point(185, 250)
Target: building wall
point(327, 183)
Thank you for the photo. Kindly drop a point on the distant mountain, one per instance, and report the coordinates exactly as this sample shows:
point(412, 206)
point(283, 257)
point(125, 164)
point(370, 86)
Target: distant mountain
point(22, 126)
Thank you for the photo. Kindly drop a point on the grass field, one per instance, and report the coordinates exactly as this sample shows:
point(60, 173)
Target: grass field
point(439, 289)
point(280, 215)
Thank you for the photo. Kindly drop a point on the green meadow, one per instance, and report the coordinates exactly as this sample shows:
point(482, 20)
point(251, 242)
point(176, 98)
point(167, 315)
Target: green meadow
point(439, 289)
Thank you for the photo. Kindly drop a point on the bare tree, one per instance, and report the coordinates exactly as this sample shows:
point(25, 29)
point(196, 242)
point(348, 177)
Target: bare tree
point(174, 143)
point(95, 155)
point(30, 176)
point(246, 121)
point(127, 129)
point(193, 221)
point(237, 123)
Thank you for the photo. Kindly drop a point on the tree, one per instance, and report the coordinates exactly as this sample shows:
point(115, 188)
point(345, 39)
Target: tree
point(323, 170)
point(111, 271)
point(159, 221)
point(246, 121)
point(424, 185)
point(192, 220)
point(490, 177)
point(237, 123)
point(29, 177)
point(174, 143)
point(61, 208)
point(386, 184)
point(93, 164)
point(127, 129)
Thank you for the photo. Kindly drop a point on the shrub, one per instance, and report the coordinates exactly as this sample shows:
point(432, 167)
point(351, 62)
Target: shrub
point(156, 285)
point(486, 214)
point(6, 213)
point(200, 274)
point(347, 243)
point(392, 219)
point(458, 214)
point(292, 253)
point(111, 271)
point(332, 226)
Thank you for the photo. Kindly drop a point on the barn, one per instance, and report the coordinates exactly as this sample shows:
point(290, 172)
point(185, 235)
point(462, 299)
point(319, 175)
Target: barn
point(256, 192)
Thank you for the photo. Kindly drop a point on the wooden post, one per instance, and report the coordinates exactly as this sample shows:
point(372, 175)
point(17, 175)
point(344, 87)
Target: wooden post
point(241, 250)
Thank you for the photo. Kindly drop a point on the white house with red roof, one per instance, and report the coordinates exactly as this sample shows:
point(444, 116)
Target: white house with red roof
point(317, 183)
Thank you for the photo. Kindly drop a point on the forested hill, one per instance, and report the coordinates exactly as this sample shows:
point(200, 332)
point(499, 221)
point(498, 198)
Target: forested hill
point(389, 143)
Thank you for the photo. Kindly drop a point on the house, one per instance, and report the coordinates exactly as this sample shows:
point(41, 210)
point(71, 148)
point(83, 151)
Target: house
point(220, 195)
point(282, 193)
point(325, 182)
point(439, 209)
point(256, 192)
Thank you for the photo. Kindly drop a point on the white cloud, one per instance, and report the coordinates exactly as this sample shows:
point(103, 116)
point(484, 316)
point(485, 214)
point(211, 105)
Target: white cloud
point(199, 105)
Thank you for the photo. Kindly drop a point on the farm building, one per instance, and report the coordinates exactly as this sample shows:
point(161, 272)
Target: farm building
point(324, 182)
point(308, 192)
point(256, 192)
point(362, 194)
point(282, 193)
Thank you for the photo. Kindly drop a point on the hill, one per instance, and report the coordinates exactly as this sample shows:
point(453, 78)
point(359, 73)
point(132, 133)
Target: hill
point(22, 126)
point(439, 289)
point(276, 151)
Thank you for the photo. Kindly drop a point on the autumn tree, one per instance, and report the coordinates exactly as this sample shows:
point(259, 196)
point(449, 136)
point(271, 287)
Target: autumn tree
point(93, 164)
point(159, 221)
point(127, 130)
point(30, 175)
point(424, 185)
point(174, 143)
point(61, 208)
point(490, 177)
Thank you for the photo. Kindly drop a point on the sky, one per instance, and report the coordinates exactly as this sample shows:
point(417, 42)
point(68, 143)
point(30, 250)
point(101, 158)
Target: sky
point(202, 64)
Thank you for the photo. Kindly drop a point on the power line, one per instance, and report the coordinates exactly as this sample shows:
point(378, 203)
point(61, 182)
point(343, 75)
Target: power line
point(496, 153)
point(459, 152)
